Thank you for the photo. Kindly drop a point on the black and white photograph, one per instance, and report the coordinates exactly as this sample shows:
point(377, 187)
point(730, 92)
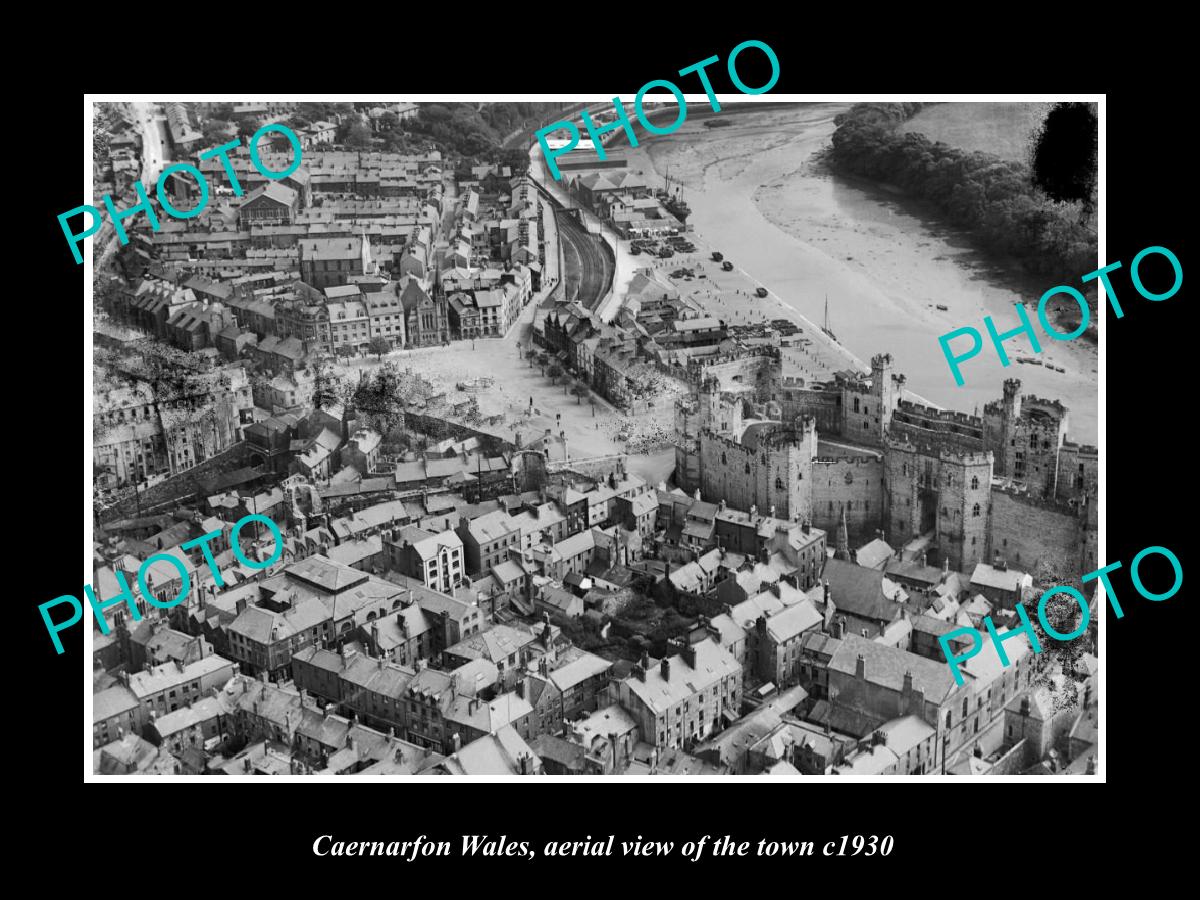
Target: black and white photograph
point(746, 435)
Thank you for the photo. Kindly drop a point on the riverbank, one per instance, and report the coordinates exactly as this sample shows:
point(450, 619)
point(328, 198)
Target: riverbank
point(757, 194)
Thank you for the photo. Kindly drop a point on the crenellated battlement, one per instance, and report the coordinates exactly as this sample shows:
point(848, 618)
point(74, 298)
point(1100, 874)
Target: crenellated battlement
point(940, 415)
point(967, 458)
point(852, 460)
point(1020, 493)
point(1057, 405)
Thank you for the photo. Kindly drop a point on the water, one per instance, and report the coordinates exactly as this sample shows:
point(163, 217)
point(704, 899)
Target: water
point(884, 264)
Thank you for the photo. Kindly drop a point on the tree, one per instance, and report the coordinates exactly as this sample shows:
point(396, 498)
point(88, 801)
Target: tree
point(554, 371)
point(354, 134)
point(344, 350)
point(378, 398)
point(580, 391)
point(247, 125)
point(327, 387)
point(531, 355)
point(1063, 614)
point(379, 346)
point(216, 131)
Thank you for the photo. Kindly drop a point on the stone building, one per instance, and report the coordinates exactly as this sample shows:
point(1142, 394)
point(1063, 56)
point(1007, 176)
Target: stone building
point(1005, 486)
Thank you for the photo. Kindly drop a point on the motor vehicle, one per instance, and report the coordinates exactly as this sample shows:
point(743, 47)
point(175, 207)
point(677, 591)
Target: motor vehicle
point(727, 266)
point(717, 256)
point(762, 291)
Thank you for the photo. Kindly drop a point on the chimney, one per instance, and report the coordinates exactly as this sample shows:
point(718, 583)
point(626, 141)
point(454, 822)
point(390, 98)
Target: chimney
point(923, 559)
point(697, 494)
point(664, 669)
point(457, 742)
point(524, 764)
point(908, 683)
point(860, 668)
point(639, 672)
point(772, 512)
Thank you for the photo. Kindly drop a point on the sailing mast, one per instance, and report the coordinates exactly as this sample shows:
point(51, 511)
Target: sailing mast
point(825, 328)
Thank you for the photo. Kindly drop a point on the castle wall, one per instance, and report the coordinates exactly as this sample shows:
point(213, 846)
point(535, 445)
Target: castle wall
point(777, 473)
point(1078, 471)
point(951, 430)
point(862, 495)
point(727, 471)
point(1026, 531)
point(824, 406)
point(745, 373)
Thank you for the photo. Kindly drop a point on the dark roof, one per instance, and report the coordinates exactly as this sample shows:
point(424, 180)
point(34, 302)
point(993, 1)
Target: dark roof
point(230, 479)
point(565, 753)
point(858, 591)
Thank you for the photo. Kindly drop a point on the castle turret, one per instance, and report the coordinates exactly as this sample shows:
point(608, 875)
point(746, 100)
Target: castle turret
point(965, 505)
point(886, 386)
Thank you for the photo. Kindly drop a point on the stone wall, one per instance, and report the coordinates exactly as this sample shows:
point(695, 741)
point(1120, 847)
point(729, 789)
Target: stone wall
point(855, 483)
point(178, 489)
point(1026, 531)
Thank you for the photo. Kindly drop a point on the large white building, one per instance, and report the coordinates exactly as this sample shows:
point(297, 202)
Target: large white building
point(686, 697)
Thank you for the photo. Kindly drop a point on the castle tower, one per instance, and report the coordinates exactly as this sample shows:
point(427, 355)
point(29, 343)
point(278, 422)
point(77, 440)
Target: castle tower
point(1012, 398)
point(902, 496)
point(964, 499)
point(798, 476)
point(886, 387)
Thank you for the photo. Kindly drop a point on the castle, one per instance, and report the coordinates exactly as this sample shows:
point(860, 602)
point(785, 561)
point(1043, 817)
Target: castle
point(1005, 486)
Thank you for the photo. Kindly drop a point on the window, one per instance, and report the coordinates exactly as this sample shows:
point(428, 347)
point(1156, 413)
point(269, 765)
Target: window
point(975, 510)
point(974, 482)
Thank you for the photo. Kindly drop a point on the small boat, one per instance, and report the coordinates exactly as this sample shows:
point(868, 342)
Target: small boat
point(825, 328)
point(943, 307)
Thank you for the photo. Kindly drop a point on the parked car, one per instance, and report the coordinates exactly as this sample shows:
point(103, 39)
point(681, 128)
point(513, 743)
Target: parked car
point(762, 291)
point(727, 266)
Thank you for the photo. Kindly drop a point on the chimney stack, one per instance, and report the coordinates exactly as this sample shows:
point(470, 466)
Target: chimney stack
point(860, 668)
point(664, 669)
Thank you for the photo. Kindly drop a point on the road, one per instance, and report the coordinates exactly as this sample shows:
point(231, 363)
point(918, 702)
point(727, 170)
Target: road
point(153, 160)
